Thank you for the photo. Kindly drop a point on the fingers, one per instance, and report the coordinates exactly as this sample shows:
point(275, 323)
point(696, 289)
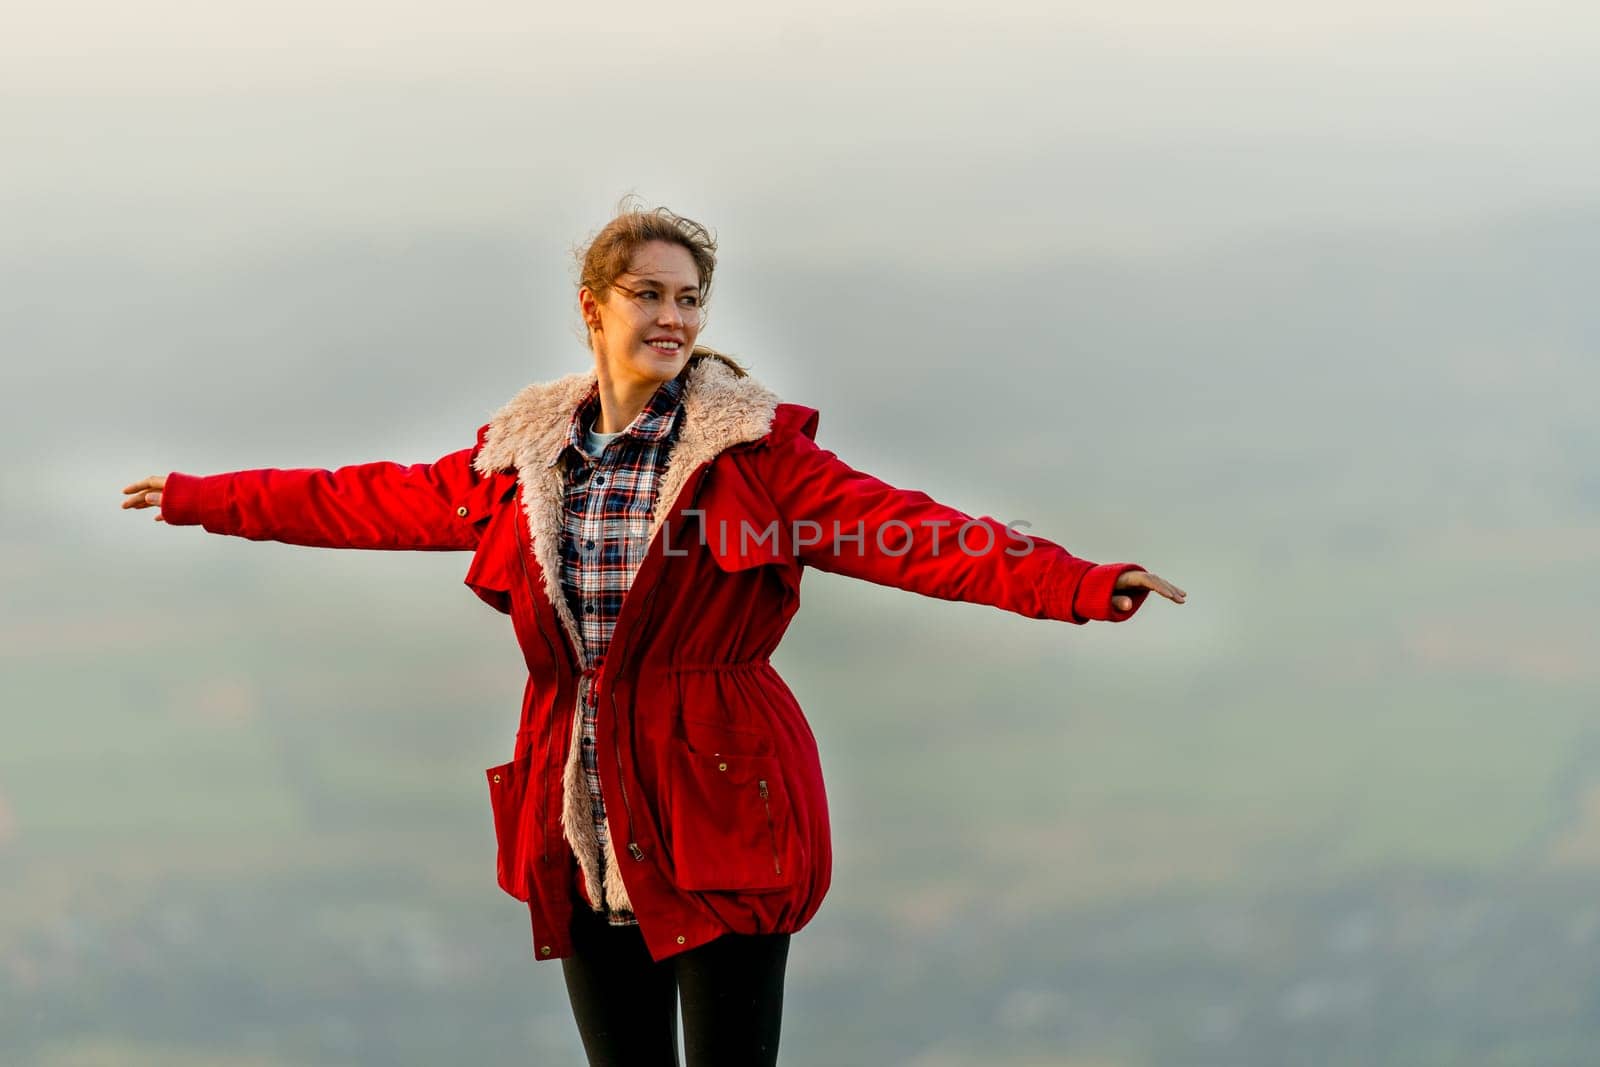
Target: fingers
point(1170, 591)
point(144, 498)
point(145, 493)
point(155, 481)
point(1155, 583)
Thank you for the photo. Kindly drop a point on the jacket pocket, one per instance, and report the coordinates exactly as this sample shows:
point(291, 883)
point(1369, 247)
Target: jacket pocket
point(489, 575)
point(508, 790)
point(730, 821)
point(718, 738)
point(738, 543)
point(741, 526)
point(491, 572)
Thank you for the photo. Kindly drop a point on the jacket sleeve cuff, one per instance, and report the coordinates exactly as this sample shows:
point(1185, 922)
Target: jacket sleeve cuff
point(1092, 601)
point(195, 500)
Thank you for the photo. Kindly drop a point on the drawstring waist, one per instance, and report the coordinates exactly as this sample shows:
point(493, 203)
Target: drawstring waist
point(682, 668)
point(744, 665)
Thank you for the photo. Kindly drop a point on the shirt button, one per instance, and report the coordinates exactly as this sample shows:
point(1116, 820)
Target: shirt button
point(599, 479)
point(588, 609)
point(589, 545)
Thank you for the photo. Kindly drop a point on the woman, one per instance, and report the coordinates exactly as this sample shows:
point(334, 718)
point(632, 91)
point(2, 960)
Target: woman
point(645, 525)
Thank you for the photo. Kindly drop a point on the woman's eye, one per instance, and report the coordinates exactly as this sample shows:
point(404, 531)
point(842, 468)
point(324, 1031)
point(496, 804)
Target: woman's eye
point(691, 301)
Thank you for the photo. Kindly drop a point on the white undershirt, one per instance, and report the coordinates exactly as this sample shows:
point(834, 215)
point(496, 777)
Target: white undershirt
point(595, 443)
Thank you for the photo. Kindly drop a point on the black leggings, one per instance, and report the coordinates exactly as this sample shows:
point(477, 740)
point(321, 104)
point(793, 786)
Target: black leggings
point(626, 1004)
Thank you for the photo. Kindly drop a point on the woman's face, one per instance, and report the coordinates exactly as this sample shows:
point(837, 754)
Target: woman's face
point(649, 320)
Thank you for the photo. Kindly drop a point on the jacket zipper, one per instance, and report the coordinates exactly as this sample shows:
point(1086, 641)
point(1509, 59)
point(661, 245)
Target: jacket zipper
point(616, 741)
point(772, 834)
point(550, 726)
point(644, 615)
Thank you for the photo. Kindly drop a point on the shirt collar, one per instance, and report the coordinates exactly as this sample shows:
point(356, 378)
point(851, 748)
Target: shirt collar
point(653, 423)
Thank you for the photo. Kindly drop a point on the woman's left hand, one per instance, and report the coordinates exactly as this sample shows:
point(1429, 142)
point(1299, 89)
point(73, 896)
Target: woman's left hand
point(1144, 580)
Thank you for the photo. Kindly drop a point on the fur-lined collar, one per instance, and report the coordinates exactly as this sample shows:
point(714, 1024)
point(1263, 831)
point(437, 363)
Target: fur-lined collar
point(721, 407)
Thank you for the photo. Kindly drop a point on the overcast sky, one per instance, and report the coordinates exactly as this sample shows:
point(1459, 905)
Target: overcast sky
point(290, 233)
point(1122, 128)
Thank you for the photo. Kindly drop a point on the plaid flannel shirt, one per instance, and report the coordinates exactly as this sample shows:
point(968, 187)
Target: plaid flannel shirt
point(608, 505)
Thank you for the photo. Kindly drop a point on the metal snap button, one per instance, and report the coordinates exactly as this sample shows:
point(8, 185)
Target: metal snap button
point(722, 766)
point(545, 949)
point(497, 777)
point(462, 511)
point(681, 939)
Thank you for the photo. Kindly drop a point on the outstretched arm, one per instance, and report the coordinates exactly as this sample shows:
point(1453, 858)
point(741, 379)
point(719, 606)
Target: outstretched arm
point(848, 522)
point(379, 505)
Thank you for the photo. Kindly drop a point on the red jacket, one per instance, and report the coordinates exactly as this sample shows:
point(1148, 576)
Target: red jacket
point(708, 767)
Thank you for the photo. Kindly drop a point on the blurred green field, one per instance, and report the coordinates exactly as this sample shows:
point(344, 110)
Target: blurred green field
point(1292, 731)
point(945, 722)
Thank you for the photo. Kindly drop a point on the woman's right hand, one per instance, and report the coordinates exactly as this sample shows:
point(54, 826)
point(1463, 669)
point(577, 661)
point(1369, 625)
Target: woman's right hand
point(146, 493)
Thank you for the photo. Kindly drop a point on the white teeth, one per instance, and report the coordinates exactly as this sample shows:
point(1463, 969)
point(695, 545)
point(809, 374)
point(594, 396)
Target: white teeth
point(670, 345)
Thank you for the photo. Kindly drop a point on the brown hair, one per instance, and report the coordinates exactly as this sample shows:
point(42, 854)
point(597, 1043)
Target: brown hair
point(609, 253)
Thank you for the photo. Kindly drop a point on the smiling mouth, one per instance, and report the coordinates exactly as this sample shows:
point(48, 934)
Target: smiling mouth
point(669, 347)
